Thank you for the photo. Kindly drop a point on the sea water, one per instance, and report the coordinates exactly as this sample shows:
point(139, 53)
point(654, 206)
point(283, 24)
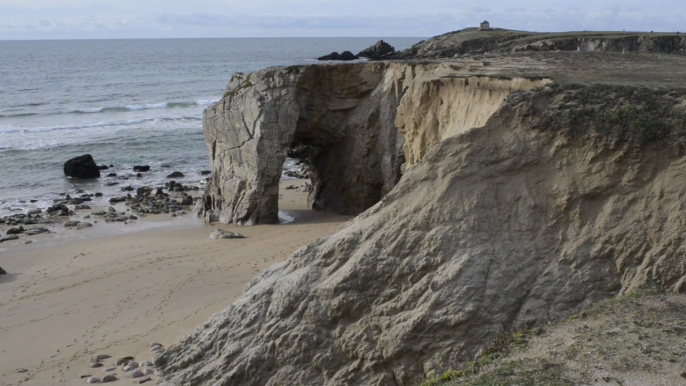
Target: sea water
point(125, 102)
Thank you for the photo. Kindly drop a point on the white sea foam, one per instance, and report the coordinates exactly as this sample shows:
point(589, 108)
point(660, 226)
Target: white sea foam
point(285, 218)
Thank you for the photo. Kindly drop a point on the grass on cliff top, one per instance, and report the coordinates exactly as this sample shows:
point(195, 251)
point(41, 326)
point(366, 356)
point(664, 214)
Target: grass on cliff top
point(614, 114)
point(639, 338)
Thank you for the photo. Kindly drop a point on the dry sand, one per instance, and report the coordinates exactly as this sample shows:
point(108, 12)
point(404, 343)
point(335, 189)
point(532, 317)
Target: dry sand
point(115, 295)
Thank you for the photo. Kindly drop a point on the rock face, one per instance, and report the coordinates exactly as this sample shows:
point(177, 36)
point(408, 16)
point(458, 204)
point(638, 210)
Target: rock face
point(345, 114)
point(378, 51)
point(82, 167)
point(562, 197)
point(346, 122)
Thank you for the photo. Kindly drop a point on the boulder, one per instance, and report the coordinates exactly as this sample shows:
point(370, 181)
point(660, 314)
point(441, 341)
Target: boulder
point(344, 56)
point(141, 168)
point(224, 234)
point(82, 167)
point(58, 210)
point(377, 51)
point(2, 271)
point(176, 175)
point(15, 231)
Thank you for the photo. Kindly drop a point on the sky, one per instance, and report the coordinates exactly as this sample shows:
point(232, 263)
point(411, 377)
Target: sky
point(104, 19)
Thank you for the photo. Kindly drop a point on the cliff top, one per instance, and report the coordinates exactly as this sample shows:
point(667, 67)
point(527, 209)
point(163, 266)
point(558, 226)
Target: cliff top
point(475, 41)
point(631, 69)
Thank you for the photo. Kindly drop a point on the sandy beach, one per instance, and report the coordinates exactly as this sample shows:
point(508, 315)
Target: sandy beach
point(66, 299)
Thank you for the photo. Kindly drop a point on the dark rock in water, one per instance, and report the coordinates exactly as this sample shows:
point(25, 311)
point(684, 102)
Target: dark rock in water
point(117, 199)
point(127, 188)
point(160, 192)
point(82, 207)
point(112, 183)
point(98, 194)
point(9, 238)
point(103, 167)
point(82, 167)
point(112, 175)
point(15, 231)
point(139, 175)
point(141, 168)
point(165, 166)
point(377, 51)
point(2, 271)
point(187, 200)
point(176, 175)
point(205, 172)
point(36, 231)
point(143, 191)
point(58, 210)
point(345, 55)
point(71, 224)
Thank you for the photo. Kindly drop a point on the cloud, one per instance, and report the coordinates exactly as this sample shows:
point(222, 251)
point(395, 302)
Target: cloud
point(128, 18)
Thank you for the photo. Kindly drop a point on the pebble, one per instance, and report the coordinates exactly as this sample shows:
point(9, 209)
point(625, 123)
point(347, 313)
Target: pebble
point(22, 371)
point(95, 365)
point(123, 361)
point(148, 371)
point(86, 376)
point(109, 378)
point(136, 373)
point(155, 344)
point(93, 380)
point(143, 380)
point(147, 364)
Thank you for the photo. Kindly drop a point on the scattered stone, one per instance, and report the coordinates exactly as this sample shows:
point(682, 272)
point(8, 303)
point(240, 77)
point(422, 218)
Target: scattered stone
point(113, 183)
point(143, 191)
point(123, 361)
point(100, 357)
point(98, 194)
point(110, 369)
point(165, 166)
point(58, 210)
point(34, 212)
point(176, 175)
point(131, 365)
point(143, 380)
point(103, 167)
point(205, 172)
point(37, 231)
point(109, 378)
point(84, 225)
point(135, 373)
point(26, 242)
point(72, 224)
point(141, 168)
point(95, 365)
point(9, 238)
point(85, 376)
point(112, 175)
point(139, 175)
point(683, 374)
point(82, 167)
point(148, 371)
point(148, 363)
point(15, 231)
point(2, 271)
point(82, 207)
point(115, 200)
point(224, 234)
point(93, 380)
point(22, 371)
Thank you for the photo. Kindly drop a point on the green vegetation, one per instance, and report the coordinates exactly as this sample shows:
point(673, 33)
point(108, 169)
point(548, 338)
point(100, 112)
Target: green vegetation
point(641, 334)
point(616, 114)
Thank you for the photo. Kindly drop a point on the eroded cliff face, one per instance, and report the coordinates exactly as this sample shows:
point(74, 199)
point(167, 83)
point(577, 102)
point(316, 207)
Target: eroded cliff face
point(359, 125)
point(518, 220)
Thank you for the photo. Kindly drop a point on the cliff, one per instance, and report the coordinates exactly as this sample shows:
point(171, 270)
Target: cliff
point(473, 41)
point(526, 197)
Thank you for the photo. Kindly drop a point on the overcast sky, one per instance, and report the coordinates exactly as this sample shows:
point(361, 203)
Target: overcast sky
point(89, 19)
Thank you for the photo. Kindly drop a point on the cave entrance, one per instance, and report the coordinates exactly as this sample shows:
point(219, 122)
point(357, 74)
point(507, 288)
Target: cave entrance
point(296, 186)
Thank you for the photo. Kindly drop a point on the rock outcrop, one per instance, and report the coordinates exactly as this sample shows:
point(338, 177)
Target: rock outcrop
point(82, 167)
point(343, 56)
point(378, 51)
point(557, 198)
point(349, 123)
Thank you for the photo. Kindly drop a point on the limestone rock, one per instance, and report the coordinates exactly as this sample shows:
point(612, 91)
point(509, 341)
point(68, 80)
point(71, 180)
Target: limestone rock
point(216, 235)
point(502, 224)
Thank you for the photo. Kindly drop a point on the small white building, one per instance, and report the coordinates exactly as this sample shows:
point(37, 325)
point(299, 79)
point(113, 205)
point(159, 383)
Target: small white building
point(485, 25)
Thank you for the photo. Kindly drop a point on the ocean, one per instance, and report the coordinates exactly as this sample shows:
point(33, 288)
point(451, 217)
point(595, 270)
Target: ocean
point(125, 102)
